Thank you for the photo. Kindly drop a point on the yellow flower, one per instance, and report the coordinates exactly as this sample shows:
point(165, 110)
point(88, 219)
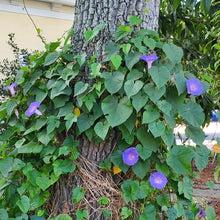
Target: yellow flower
point(76, 112)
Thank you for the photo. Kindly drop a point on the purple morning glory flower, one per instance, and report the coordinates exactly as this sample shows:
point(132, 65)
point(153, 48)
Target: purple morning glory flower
point(16, 113)
point(130, 156)
point(201, 212)
point(158, 180)
point(33, 108)
point(214, 118)
point(11, 88)
point(194, 86)
point(149, 59)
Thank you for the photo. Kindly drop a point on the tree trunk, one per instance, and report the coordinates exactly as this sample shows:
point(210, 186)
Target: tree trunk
point(96, 182)
point(90, 13)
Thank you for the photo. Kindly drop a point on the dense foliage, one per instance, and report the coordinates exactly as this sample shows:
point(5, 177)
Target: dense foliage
point(140, 89)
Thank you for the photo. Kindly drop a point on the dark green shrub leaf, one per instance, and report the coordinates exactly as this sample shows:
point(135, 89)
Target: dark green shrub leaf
point(6, 165)
point(78, 194)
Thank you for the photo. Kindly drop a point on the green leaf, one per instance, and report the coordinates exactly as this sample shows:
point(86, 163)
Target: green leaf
point(144, 153)
point(206, 5)
point(81, 59)
point(163, 200)
point(70, 119)
point(157, 128)
point(149, 42)
point(173, 52)
point(106, 164)
point(81, 214)
point(44, 138)
point(180, 82)
point(141, 168)
point(125, 213)
point(192, 113)
point(126, 48)
point(201, 157)
point(63, 217)
point(101, 129)
point(113, 81)
point(51, 58)
point(10, 106)
point(44, 181)
point(168, 137)
point(6, 166)
point(160, 75)
point(63, 166)
point(149, 213)
point(116, 61)
point(95, 67)
point(130, 190)
point(146, 138)
point(134, 74)
point(122, 32)
point(65, 110)
point(31, 147)
point(132, 87)
point(116, 111)
point(186, 187)
point(196, 134)
point(176, 4)
point(150, 114)
point(84, 122)
point(134, 20)
point(80, 87)
point(164, 106)
point(53, 123)
point(117, 160)
point(172, 213)
point(3, 214)
point(112, 49)
point(153, 92)
point(24, 204)
point(132, 58)
point(179, 159)
point(139, 101)
point(41, 95)
point(78, 194)
point(91, 34)
point(210, 184)
point(210, 213)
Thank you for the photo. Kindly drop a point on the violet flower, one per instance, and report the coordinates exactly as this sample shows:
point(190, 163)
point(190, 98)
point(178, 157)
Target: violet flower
point(16, 113)
point(214, 118)
point(130, 156)
point(149, 59)
point(201, 212)
point(158, 180)
point(11, 88)
point(194, 86)
point(33, 108)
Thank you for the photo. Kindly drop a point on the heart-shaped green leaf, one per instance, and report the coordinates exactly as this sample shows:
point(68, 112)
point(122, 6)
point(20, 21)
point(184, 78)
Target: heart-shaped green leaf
point(133, 87)
point(139, 100)
point(116, 111)
point(153, 92)
point(132, 58)
point(173, 52)
point(150, 114)
point(160, 75)
point(157, 128)
point(113, 82)
point(101, 129)
point(116, 61)
point(95, 69)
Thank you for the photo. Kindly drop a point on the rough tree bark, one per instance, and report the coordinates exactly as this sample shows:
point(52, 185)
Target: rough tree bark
point(88, 14)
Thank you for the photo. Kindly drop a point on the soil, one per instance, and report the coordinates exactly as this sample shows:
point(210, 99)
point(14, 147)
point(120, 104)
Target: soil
point(213, 198)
